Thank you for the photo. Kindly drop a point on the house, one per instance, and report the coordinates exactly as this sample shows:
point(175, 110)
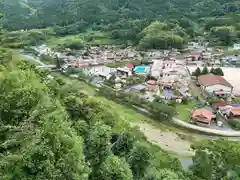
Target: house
point(171, 63)
point(215, 85)
point(171, 73)
point(194, 56)
point(220, 105)
point(152, 85)
point(202, 117)
point(137, 88)
point(78, 64)
point(130, 66)
point(206, 55)
point(156, 68)
point(234, 114)
point(103, 72)
point(236, 46)
point(124, 71)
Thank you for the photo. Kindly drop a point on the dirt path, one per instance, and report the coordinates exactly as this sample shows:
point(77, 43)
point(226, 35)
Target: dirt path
point(167, 140)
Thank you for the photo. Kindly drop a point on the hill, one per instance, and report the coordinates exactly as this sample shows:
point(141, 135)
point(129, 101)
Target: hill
point(125, 19)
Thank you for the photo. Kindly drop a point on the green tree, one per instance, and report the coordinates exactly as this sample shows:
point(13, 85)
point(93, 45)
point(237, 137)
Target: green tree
point(197, 72)
point(216, 160)
point(114, 168)
point(225, 34)
point(139, 160)
point(164, 174)
point(123, 144)
point(212, 71)
point(218, 71)
point(97, 145)
point(205, 70)
point(41, 143)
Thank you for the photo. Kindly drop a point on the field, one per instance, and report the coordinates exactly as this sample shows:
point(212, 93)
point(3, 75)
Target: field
point(88, 37)
point(185, 110)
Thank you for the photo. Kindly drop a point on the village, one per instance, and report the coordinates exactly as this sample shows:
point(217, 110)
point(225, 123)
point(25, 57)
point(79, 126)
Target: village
point(199, 81)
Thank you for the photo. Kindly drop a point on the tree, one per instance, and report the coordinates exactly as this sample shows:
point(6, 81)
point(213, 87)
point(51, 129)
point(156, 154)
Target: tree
point(158, 36)
point(42, 144)
point(218, 71)
point(164, 174)
point(97, 145)
point(197, 72)
point(212, 71)
point(216, 160)
point(139, 160)
point(205, 70)
point(123, 144)
point(225, 34)
point(114, 168)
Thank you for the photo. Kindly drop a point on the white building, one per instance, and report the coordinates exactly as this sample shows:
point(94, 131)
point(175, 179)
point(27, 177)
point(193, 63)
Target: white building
point(236, 46)
point(213, 84)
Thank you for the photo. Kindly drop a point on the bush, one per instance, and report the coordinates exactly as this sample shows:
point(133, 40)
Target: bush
point(73, 70)
point(76, 45)
point(157, 110)
point(235, 125)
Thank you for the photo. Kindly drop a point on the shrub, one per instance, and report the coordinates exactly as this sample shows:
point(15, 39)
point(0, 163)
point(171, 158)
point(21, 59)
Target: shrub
point(235, 125)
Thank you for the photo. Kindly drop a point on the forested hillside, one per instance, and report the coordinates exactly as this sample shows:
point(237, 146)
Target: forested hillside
point(217, 20)
point(54, 12)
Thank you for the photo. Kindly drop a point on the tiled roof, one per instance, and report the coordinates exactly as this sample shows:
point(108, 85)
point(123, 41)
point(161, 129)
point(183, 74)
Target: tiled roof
point(209, 80)
point(130, 66)
point(220, 104)
point(235, 110)
point(202, 114)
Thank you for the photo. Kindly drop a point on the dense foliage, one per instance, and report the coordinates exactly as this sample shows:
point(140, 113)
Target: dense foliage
point(217, 160)
point(50, 130)
point(125, 20)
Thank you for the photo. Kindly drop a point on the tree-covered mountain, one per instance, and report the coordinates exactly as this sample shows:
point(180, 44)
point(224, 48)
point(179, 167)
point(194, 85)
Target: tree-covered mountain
point(218, 20)
point(43, 13)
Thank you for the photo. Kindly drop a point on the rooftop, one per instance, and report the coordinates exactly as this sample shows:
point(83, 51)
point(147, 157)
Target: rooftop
point(203, 115)
point(235, 110)
point(210, 79)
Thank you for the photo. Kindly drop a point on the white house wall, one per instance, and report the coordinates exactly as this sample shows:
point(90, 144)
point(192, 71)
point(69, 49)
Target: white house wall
point(218, 87)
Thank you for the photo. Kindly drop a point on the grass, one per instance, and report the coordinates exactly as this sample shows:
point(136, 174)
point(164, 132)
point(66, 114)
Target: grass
point(184, 110)
point(84, 87)
point(88, 37)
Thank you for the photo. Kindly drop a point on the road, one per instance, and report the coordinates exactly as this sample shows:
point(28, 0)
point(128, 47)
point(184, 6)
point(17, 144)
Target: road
point(34, 59)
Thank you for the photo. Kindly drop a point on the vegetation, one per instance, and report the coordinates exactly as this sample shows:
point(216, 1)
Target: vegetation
point(52, 129)
point(185, 110)
point(125, 22)
point(216, 71)
point(216, 160)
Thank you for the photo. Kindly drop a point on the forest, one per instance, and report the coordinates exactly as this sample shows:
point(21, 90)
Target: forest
point(50, 130)
point(130, 21)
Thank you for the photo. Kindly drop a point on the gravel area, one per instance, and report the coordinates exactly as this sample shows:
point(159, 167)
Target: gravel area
point(167, 140)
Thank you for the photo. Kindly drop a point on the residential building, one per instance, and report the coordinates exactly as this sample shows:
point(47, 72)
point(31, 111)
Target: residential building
point(202, 117)
point(124, 71)
point(215, 85)
point(236, 46)
point(234, 114)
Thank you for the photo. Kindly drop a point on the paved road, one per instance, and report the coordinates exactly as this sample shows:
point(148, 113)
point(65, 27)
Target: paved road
point(226, 133)
point(34, 59)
